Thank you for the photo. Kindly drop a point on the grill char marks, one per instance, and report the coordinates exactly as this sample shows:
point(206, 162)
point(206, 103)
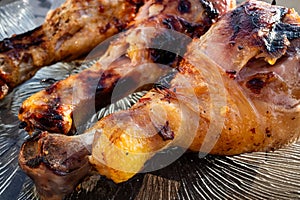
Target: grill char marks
point(289, 30)
point(165, 41)
point(183, 26)
point(144, 65)
point(210, 9)
point(70, 31)
point(179, 24)
point(105, 88)
point(250, 19)
point(271, 73)
point(265, 27)
point(280, 37)
point(51, 117)
point(23, 41)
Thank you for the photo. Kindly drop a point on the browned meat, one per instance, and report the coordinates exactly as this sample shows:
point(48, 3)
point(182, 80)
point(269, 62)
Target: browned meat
point(56, 162)
point(208, 109)
point(55, 108)
point(68, 32)
point(223, 108)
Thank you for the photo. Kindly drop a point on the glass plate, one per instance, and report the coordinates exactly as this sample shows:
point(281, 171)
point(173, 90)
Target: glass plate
point(274, 175)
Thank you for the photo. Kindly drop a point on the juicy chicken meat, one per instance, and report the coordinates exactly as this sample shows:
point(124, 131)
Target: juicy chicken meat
point(248, 103)
point(68, 32)
point(129, 60)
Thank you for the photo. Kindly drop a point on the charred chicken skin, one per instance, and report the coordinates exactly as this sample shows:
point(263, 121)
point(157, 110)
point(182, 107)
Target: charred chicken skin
point(127, 60)
point(248, 103)
point(68, 32)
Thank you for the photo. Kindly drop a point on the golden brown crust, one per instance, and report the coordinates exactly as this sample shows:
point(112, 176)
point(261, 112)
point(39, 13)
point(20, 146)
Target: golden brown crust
point(209, 109)
point(68, 32)
point(206, 107)
point(53, 108)
point(253, 29)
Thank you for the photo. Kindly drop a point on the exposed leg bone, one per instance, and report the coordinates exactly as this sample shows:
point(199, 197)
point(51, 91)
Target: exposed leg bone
point(56, 162)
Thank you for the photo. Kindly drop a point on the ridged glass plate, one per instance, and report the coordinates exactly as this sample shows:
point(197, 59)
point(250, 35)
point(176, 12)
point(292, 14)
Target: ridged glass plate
point(274, 175)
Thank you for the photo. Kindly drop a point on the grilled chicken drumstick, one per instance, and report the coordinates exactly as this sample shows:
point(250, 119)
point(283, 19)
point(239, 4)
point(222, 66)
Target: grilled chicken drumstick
point(68, 32)
point(56, 108)
point(232, 107)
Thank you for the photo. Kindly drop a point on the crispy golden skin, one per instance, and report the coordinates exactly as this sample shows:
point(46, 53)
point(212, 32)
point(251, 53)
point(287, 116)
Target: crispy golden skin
point(226, 107)
point(68, 32)
point(56, 108)
point(43, 153)
point(213, 106)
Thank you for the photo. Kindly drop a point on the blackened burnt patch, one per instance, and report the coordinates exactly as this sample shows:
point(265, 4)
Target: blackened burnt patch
point(291, 31)
point(165, 132)
point(277, 41)
point(98, 86)
point(162, 56)
point(166, 47)
point(255, 85)
point(268, 132)
point(138, 3)
point(23, 41)
point(195, 30)
point(231, 74)
point(172, 23)
point(51, 117)
point(107, 82)
point(105, 28)
point(184, 6)
point(258, 81)
point(118, 24)
point(238, 23)
point(183, 26)
point(263, 27)
point(209, 8)
point(253, 130)
point(21, 110)
point(35, 162)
